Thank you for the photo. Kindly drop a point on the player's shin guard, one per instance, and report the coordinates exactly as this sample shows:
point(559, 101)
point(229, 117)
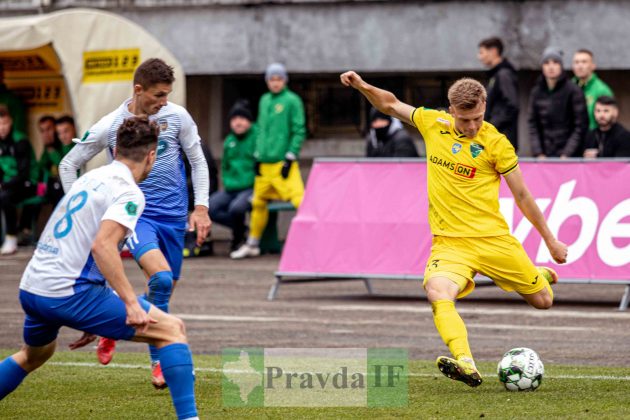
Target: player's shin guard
point(160, 289)
point(177, 367)
point(11, 376)
point(451, 328)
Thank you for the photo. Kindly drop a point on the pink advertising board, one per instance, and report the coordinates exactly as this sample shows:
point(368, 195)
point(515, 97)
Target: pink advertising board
point(362, 218)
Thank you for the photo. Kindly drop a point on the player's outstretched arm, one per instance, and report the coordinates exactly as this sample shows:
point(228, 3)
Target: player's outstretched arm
point(528, 207)
point(80, 154)
point(107, 258)
point(381, 99)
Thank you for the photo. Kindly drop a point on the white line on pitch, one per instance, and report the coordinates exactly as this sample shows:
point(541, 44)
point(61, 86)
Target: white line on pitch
point(415, 374)
point(482, 311)
point(526, 327)
point(240, 318)
point(235, 318)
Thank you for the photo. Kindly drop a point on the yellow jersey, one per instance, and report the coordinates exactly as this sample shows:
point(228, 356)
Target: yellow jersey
point(463, 175)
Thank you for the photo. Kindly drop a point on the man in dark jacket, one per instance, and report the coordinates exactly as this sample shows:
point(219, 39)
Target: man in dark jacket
point(18, 176)
point(502, 104)
point(610, 139)
point(388, 138)
point(557, 111)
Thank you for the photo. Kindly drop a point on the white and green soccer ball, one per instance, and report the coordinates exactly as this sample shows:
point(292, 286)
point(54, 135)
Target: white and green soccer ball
point(521, 369)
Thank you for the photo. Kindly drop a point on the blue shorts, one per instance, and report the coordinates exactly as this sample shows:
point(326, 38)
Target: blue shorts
point(168, 237)
point(96, 310)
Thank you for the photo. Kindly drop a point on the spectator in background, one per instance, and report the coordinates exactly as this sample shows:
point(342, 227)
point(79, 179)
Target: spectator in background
point(388, 138)
point(610, 139)
point(557, 111)
point(229, 207)
point(281, 132)
point(15, 106)
point(592, 86)
point(502, 104)
point(66, 131)
point(18, 176)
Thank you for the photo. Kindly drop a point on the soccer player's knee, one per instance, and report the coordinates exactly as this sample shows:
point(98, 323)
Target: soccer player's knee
point(545, 303)
point(161, 283)
point(178, 330)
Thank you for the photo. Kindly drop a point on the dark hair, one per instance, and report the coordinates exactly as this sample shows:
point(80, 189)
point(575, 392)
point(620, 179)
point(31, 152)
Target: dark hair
point(45, 118)
point(606, 100)
point(65, 119)
point(135, 137)
point(584, 51)
point(493, 42)
point(152, 72)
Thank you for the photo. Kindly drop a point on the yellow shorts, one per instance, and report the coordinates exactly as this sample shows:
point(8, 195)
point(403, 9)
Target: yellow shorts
point(271, 186)
point(501, 258)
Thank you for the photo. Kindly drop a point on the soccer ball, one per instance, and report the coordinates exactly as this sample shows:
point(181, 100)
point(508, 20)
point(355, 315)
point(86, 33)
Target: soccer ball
point(521, 369)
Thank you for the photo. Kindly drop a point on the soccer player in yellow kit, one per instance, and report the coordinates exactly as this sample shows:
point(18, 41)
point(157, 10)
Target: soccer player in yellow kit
point(465, 159)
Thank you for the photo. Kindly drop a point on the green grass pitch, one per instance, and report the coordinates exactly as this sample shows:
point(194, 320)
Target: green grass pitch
point(71, 387)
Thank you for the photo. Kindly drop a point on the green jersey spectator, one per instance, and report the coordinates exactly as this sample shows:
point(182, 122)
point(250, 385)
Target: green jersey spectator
point(592, 86)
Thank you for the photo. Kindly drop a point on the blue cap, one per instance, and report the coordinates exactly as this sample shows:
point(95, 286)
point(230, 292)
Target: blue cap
point(276, 69)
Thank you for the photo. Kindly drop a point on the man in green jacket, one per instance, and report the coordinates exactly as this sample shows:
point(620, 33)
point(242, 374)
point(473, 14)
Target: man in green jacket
point(18, 176)
point(593, 86)
point(230, 206)
point(16, 107)
point(282, 130)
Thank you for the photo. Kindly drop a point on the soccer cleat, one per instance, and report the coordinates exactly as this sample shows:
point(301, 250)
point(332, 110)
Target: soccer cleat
point(459, 370)
point(245, 251)
point(105, 350)
point(549, 274)
point(157, 379)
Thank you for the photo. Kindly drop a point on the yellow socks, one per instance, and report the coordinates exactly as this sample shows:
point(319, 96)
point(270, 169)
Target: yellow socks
point(451, 328)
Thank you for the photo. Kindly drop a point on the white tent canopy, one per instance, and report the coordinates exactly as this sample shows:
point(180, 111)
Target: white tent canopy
point(78, 62)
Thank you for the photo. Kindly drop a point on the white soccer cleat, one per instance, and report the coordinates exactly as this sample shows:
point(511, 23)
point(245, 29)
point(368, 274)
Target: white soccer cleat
point(245, 251)
point(10, 245)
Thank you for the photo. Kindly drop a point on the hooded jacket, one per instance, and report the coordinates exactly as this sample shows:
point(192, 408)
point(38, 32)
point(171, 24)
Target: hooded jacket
point(398, 143)
point(557, 119)
point(502, 105)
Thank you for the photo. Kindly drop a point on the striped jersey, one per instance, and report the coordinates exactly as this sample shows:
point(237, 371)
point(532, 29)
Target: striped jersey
point(62, 263)
point(165, 189)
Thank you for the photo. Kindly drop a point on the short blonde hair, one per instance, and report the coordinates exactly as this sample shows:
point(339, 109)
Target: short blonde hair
point(466, 94)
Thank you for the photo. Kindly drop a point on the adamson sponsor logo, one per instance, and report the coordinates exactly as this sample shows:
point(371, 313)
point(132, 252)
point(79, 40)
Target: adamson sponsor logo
point(458, 169)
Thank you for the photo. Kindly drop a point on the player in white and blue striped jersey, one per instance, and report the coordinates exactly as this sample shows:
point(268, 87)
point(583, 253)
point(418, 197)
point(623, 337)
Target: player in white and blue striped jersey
point(158, 241)
point(65, 283)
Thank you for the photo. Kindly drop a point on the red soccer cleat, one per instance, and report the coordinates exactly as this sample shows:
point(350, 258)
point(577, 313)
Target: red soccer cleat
point(157, 379)
point(105, 350)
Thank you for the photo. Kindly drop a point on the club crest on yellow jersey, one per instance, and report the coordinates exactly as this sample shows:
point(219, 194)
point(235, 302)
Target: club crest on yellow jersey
point(476, 149)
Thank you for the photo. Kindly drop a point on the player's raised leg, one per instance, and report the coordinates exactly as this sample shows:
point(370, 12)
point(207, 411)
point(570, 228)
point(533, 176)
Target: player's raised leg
point(543, 299)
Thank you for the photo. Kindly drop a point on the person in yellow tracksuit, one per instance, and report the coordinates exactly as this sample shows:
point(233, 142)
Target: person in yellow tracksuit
point(282, 130)
point(466, 158)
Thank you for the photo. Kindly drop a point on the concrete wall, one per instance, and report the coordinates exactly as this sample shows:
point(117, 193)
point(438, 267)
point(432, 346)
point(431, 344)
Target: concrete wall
point(242, 36)
point(214, 38)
